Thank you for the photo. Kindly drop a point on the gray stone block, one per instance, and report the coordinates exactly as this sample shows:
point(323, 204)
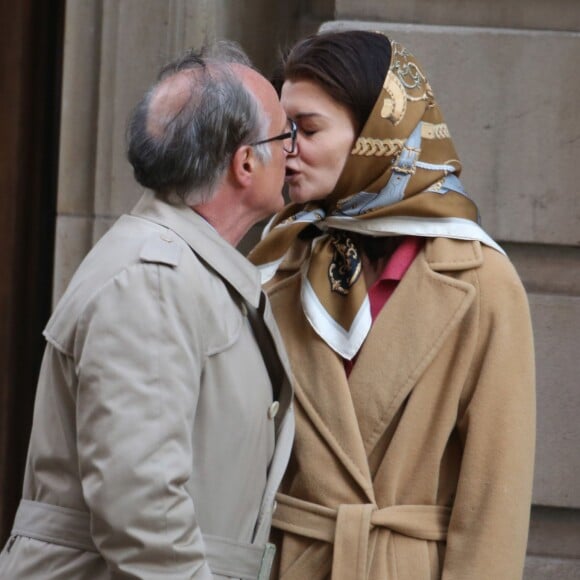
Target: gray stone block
point(128, 65)
point(547, 269)
point(539, 14)
point(544, 568)
point(556, 321)
point(73, 239)
point(510, 100)
point(78, 137)
point(555, 531)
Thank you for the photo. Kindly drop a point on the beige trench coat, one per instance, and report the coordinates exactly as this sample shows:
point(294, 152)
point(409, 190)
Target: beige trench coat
point(153, 422)
point(419, 467)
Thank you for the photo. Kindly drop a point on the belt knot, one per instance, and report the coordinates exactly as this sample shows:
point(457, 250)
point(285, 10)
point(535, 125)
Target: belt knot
point(349, 528)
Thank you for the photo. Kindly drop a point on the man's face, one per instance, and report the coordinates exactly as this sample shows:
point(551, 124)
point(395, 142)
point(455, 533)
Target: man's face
point(265, 197)
point(270, 174)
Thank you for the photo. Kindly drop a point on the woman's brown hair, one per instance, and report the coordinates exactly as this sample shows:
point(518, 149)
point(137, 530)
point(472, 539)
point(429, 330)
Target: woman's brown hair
point(349, 66)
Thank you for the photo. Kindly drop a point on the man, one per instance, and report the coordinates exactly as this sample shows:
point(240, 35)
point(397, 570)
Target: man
point(161, 431)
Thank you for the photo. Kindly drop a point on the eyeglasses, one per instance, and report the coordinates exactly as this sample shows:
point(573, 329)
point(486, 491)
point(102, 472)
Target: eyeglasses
point(283, 137)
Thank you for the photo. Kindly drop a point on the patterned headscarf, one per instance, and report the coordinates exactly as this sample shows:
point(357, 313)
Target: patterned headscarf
point(401, 178)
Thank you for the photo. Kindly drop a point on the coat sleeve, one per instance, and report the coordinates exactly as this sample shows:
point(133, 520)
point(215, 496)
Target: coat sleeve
point(489, 523)
point(138, 353)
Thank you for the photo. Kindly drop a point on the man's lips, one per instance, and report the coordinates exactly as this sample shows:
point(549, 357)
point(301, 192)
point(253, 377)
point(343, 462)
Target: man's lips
point(291, 175)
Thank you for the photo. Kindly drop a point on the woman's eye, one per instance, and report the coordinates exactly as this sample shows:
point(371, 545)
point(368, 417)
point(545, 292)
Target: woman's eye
point(307, 132)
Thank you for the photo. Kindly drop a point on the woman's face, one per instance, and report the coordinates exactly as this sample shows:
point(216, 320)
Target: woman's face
point(326, 135)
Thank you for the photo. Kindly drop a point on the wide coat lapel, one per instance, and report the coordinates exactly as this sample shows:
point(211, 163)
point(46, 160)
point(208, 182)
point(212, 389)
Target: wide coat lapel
point(321, 387)
point(409, 332)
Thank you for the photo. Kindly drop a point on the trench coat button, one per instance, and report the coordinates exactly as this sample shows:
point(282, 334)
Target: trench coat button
point(274, 506)
point(273, 409)
point(166, 238)
point(244, 308)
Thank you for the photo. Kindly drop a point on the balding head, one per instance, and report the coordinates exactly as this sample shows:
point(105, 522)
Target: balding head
point(169, 99)
point(258, 86)
point(183, 133)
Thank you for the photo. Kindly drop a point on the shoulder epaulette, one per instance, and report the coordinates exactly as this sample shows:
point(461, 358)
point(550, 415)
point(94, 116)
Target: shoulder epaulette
point(163, 248)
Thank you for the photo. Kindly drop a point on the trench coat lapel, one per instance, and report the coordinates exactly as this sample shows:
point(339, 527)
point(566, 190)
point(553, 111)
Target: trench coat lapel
point(408, 334)
point(204, 240)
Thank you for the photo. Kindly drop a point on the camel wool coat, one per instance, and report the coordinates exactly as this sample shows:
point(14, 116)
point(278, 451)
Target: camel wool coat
point(419, 465)
point(156, 449)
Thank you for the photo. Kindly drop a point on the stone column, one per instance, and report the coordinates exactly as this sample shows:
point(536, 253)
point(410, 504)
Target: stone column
point(112, 52)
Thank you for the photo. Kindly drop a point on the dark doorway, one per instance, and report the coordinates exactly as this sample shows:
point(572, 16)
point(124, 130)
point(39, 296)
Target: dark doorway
point(31, 37)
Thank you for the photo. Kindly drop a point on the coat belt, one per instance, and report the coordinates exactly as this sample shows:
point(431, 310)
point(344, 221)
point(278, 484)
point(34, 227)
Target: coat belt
point(71, 528)
point(349, 528)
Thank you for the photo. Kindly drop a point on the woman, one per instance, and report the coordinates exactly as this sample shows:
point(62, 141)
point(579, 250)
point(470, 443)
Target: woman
point(408, 329)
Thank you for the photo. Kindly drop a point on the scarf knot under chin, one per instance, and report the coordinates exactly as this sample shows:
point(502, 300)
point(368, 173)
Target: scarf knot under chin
point(346, 267)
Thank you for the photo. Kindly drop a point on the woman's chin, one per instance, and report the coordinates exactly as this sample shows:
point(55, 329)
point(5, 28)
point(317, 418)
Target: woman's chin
point(295, 195)
point(300, 195)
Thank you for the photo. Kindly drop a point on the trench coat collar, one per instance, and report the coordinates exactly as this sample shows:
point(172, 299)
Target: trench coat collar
point(205, 241)
point(352, 414)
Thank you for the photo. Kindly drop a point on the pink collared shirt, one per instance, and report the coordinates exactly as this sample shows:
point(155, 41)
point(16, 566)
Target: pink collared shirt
point(383, 288)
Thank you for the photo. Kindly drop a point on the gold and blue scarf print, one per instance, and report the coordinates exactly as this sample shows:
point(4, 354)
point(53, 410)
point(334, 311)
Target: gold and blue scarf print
point(401, 178)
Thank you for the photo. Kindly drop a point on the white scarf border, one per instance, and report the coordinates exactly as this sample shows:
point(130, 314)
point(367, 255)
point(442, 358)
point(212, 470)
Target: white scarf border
point(348, 342)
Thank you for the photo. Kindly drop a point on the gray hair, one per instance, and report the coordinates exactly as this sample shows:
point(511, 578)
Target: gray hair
point(184, 147)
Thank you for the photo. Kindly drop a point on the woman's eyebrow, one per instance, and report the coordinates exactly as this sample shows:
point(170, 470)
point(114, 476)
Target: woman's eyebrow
point(307, 115)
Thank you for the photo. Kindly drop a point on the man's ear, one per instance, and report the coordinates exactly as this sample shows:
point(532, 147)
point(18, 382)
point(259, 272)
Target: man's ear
point(243, 165)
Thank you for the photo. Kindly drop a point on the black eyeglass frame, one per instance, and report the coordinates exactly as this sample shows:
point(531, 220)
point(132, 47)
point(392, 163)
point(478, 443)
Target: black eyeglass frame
point(292, 134)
